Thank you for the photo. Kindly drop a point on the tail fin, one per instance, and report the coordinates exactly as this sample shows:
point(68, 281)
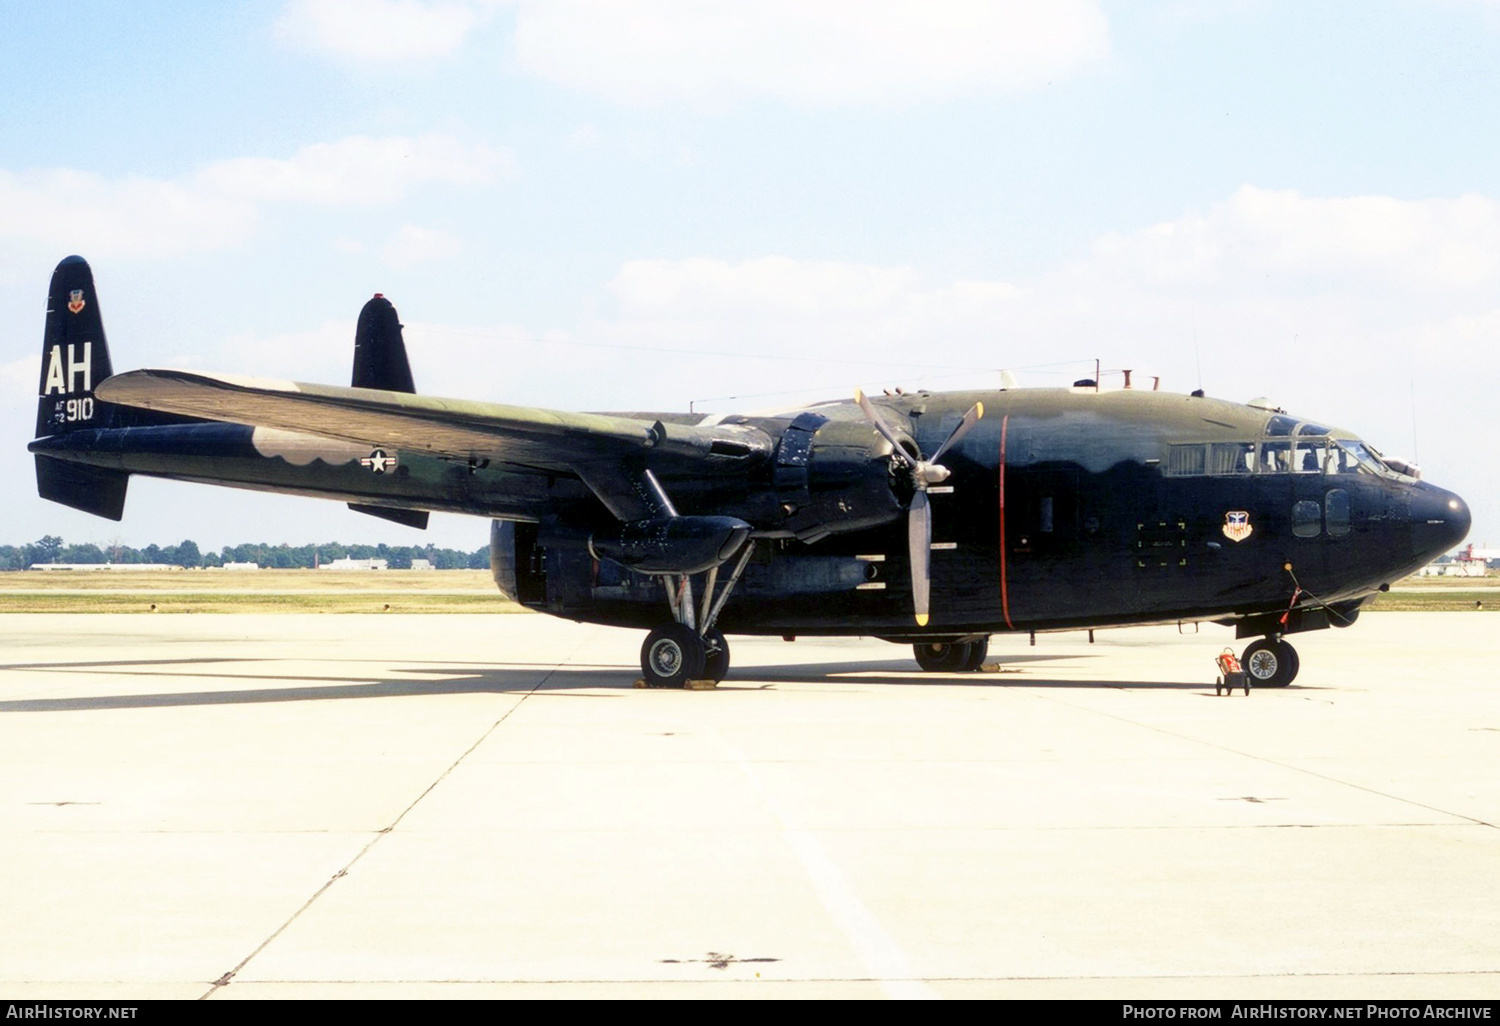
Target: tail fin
point(380, 362)
point(75, 358)
point(379, 351)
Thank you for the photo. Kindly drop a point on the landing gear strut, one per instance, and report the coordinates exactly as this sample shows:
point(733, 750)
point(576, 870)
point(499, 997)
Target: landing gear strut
point(952, 656)
point(691, 648)
point(1270, 663)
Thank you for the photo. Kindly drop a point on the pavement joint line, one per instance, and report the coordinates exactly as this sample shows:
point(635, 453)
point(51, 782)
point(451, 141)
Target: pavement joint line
point(224, 981)
point(1102, 828)
point(1274, 762)
point(731, 980)
point(871, 941)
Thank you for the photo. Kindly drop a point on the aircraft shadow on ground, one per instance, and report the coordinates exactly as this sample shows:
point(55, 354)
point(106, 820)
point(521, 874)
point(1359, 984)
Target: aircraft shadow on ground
point(515, 678)
point(906, 674)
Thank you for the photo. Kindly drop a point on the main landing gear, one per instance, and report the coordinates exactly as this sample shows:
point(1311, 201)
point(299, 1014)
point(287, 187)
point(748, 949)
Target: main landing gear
point(1270, 663)
point(952, 656)
point(691, 648)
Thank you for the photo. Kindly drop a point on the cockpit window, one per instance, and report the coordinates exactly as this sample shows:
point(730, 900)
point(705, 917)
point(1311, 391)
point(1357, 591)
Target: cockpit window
point(1279, 426)
point(1354, 457)
point(1275, 458)
point(1313, 456)
point(1302, 455)
point(1313, 429)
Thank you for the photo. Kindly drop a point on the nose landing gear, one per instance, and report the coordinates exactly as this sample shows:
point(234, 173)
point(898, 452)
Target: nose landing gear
point(1270, 663)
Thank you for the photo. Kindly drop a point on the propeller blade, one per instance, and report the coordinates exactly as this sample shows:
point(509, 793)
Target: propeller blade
point(919, 541)
point(970, 419)
point(885, 429)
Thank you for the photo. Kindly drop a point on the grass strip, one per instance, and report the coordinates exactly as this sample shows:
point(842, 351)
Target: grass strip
point(210, 602)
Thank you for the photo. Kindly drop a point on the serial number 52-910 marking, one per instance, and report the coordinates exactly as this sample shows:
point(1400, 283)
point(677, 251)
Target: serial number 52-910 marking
point(75, 410)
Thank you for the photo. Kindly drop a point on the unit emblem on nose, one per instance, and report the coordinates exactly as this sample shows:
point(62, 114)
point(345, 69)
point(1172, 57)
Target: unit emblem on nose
point(75, 301)
point(1237, 525)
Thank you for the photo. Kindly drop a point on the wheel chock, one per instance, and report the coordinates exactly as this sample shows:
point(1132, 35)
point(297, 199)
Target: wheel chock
point(692, 685)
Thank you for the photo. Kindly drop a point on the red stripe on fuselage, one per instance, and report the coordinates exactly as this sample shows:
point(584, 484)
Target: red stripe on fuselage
point(1004, 586)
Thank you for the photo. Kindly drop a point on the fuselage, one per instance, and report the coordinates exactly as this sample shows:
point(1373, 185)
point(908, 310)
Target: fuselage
point(1065, 509)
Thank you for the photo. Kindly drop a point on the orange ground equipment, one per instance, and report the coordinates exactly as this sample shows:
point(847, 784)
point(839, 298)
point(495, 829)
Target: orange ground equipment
point(1231, 676)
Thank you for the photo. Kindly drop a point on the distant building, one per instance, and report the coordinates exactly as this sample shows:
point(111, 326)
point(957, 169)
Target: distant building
point(421, 564)
point(241, 566)
point(104, 566)
point(1467, 562)
point(355, 564)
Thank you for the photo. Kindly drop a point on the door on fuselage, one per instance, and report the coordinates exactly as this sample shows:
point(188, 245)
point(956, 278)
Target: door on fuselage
point(1046, 571)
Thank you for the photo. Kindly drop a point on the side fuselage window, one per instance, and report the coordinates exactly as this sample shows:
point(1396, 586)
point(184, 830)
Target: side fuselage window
point(1336, 511)
point(1232, 458)
point(1307, 519)
point(1187, 460)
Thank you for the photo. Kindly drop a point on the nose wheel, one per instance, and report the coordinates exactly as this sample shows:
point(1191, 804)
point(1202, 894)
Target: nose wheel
point(952, 656)
point(1270, 663)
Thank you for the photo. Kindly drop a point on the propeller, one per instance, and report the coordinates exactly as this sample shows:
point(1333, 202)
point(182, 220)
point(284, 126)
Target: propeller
point(924, 474)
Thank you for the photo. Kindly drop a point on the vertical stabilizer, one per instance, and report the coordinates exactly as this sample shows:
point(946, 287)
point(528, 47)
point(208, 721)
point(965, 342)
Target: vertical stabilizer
point(75, 358)
point(379, 351)
point(380, 362)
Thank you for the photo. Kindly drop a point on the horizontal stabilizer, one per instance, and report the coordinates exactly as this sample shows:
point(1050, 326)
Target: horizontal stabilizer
point(408, 517)
point(96, 490)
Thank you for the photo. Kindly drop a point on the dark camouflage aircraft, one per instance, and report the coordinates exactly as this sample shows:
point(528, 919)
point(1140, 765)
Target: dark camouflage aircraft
point(929, 519)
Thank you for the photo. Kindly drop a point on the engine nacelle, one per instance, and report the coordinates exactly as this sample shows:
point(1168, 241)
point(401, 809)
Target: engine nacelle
point(670, 545)
point(831, 476)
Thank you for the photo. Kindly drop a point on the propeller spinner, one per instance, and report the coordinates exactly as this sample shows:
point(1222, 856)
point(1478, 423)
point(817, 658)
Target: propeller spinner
point(924, 473)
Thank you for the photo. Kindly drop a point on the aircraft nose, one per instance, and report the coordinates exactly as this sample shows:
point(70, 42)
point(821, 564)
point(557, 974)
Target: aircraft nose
point(1440, 520)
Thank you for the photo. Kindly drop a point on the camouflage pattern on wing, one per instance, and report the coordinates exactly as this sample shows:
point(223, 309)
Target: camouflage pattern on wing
point(452, 428)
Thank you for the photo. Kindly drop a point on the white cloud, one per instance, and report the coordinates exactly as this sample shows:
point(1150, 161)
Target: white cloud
point(1273, 292)
point(586, 137)
point(323, 354)
point(356, 170)
point(1259, 235)
point(219, 205)
point(19, 377)
point(375, 29)
point(412, 245)
point(810, 54)
point(72, 210)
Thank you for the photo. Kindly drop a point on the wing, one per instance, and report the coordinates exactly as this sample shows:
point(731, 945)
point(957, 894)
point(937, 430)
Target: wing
point(574, 443)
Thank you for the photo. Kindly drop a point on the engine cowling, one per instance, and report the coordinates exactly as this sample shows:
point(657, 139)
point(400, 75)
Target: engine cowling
point(831, 476)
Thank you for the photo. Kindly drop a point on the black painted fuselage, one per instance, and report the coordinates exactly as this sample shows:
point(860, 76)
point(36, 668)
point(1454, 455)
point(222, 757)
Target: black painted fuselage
point(1064, 509)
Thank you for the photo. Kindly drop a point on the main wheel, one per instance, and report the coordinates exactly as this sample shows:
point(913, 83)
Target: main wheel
point(716, 658)
point(1270, 664)
point(673, 655)
point(974, 657)
point(940, 656)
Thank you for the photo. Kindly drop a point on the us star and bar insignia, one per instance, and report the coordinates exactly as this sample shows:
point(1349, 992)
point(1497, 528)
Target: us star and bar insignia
point(378, 461)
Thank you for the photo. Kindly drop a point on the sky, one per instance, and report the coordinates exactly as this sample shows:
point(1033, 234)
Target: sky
point(672, 204)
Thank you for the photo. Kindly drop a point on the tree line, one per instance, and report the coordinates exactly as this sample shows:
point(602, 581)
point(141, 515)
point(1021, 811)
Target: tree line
point(52, 549)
